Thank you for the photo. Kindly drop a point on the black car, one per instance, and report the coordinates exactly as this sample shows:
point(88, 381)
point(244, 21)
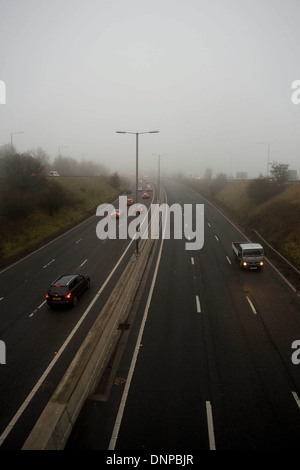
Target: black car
point(67, 288)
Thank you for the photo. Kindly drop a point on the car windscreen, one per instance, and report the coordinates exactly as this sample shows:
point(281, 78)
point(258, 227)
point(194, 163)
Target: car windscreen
point(254, 252)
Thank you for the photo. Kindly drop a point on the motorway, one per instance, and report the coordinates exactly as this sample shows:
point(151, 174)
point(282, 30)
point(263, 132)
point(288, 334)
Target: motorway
point(41, 342)
point(206, 362)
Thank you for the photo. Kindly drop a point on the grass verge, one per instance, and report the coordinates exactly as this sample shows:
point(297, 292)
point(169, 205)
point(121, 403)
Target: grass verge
point(21, 236)
point(277, 220)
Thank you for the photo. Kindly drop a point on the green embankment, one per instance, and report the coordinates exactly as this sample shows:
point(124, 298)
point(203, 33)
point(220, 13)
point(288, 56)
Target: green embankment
point(277, 220)
point(23, 235)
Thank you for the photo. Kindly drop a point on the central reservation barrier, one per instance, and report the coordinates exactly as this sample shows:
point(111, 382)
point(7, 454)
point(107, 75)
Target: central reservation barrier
point(56, 422)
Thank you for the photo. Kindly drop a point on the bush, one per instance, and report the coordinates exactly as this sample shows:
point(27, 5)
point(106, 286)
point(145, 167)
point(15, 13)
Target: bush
point(17, 204)
point(218, 184)
point(262, 189)
point(53, 197)
point(115, 181)
point(21, 171)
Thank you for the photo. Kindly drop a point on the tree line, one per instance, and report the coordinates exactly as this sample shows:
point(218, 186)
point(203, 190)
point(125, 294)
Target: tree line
point(24, 188)
point(40, 163)
point(260, 189)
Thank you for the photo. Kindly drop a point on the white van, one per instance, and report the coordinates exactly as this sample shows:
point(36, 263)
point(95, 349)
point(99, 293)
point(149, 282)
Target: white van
point(53, 173)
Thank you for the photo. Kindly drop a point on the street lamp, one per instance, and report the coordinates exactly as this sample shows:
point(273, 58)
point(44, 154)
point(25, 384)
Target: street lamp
point(158, 177)
point(267, 143)
point(137, 167)
point(11, 137)
point(62, 147)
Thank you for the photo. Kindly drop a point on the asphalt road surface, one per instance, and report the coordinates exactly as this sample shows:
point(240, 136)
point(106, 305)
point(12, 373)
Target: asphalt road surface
point(41, 342)
point(207, 362)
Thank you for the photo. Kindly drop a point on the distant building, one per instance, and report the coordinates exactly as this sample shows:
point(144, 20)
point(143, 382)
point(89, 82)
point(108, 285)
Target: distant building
point(241, 175)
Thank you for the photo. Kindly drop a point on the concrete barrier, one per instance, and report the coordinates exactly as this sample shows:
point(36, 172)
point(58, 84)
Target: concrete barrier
point(55, 424)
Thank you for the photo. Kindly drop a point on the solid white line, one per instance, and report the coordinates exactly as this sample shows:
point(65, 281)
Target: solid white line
point(57, 356)
point(279, 254)
point(61, 350)
point(296, 398)
point(119, 417)
point(267, 260)
point(198, 304)
point(49, 243)
point(210, 425)
point(251, 305)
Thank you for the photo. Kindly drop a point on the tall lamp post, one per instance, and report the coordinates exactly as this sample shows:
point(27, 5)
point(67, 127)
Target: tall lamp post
point(11, 137)
point(62, 147)
point(137, 167)
point(158, 177)
point(268, 157)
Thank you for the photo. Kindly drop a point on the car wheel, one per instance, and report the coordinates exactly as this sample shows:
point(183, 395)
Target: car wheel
point(75, 301)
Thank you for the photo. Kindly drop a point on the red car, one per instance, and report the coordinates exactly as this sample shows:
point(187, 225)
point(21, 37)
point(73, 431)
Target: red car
point(138, 208)
point(130, 202)
point(145, 196)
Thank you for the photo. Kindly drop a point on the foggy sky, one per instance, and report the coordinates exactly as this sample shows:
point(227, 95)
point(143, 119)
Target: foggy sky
point(213, 77)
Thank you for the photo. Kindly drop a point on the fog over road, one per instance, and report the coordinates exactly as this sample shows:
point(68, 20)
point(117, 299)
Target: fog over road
point(40, 342)
point(214, 367)
point(206, 361)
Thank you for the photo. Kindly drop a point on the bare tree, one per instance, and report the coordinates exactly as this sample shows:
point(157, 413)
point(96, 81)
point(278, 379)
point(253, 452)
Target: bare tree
point(20, 170)
point(279, 172)
point(114, 180)
point(218, 183)
point(68, 166)
point(41, 155)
